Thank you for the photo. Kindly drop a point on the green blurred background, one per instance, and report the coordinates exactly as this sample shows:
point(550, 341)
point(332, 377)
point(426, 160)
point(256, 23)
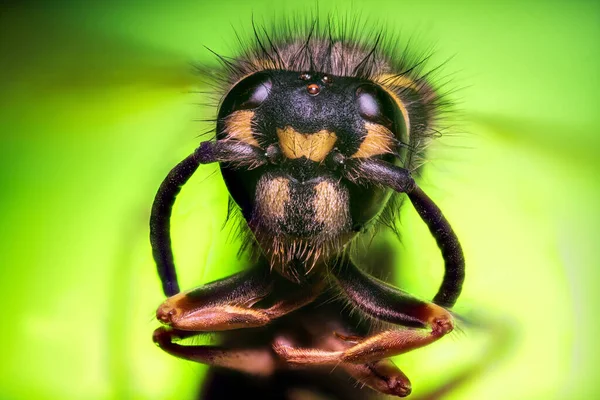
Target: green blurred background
point(97, 105)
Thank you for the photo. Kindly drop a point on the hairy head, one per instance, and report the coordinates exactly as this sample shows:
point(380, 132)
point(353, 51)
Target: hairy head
point(313, 99)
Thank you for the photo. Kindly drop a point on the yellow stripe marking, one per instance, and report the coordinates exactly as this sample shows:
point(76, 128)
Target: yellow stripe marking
point(314, 146)
point(378, 140)
point(275, 195)
point(390, 81)
point(238, 126)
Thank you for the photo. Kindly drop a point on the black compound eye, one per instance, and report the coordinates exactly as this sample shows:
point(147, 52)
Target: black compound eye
point(375, 105)
point(249, 93)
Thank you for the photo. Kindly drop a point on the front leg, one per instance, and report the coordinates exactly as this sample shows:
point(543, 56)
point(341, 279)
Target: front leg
point(220, 305)
point(256, 361)
point(383, 302)
point(382, 375)
point(231, 303)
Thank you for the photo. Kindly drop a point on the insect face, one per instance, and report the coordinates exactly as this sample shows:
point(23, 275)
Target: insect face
point(308, 124)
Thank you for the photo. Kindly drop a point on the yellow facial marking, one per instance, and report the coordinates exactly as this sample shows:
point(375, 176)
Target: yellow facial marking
point(275, 195)
point(314, 146)
point(379, 140)
point(330, 205)
point(238, 126)
point(390, 81)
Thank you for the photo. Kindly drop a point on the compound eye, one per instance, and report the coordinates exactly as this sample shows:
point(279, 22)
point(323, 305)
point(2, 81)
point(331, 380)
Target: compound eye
point(375, 105)
point(249, 93)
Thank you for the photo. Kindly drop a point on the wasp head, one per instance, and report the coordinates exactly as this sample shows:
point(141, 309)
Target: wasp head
point(309, 125)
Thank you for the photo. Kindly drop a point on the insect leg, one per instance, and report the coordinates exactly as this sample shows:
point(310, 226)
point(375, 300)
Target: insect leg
point(248, 299)
point(220, 305)
point(231, 303)
point(382, 345)
point(237, 153)
point(383, 302)
point(259, 361)
point(382, 375)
